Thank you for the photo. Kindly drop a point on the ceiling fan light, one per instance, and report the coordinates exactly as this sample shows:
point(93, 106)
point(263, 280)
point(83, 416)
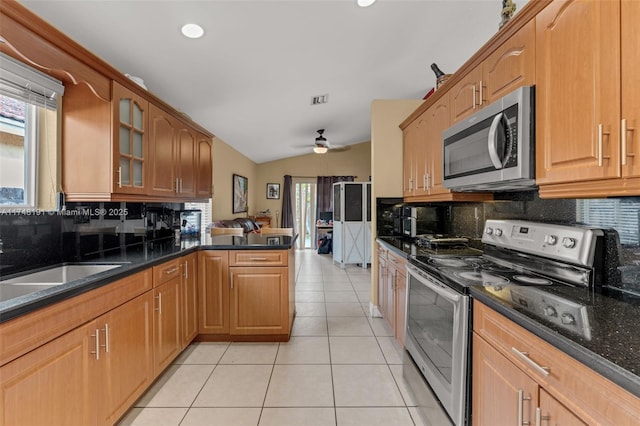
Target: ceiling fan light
point(320, 149)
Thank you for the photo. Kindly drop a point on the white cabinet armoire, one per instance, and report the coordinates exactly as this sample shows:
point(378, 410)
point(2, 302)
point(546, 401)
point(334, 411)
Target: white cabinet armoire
point(352, 223)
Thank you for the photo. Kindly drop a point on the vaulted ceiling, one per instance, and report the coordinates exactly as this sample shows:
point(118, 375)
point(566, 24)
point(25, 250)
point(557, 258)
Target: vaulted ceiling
point(251, 79)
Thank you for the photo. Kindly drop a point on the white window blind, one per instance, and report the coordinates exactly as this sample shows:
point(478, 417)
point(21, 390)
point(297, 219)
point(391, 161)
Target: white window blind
point(23, 83)
point(621, 214)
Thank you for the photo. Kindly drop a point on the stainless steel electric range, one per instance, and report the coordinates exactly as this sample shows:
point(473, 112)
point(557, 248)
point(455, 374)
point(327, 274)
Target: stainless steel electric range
point(517, 261)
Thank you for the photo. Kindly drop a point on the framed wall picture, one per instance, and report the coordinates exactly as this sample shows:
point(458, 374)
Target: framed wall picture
point(273, 241)
point(240, 193)
point(273, 191)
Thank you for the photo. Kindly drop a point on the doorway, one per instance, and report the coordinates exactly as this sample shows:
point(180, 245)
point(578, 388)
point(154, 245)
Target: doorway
point(305, 212)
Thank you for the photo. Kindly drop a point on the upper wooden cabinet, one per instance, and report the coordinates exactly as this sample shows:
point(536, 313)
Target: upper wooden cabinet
point(587, 105)
point(156, 157)
point(106, 146)
point(130, 140)
point(509, 66)
point(422, 157)
point(204, 159)
point(173, 159)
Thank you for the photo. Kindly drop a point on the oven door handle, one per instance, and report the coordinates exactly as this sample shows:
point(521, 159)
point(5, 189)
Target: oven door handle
point(437, 287)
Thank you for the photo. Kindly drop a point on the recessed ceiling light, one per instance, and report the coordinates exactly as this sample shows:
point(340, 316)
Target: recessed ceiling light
point(192, 30)
point(365, 3)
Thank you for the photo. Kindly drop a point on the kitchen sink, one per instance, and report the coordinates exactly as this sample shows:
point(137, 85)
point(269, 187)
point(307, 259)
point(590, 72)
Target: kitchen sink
point(41, 280)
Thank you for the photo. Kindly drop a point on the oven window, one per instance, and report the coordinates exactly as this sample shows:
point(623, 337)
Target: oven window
point(431, 322)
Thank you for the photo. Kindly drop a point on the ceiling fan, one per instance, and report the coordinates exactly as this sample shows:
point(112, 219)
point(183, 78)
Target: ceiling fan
point(322, 146)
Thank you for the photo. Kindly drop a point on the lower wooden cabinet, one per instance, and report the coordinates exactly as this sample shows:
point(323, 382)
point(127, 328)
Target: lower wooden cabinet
point(167, 335)
point(518, 378)
point(259, 300)
point(54, 384)
point(213, 292)
point(246, 293)
point(392, 290)
point(189, 295)
point(500, 392)
point(125, 342)
point(90, 375)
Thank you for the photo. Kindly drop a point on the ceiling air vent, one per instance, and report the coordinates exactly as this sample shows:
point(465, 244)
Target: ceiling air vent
point(321, 99)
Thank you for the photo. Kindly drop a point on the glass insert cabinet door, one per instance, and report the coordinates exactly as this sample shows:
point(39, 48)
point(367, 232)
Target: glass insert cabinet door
point(130, 133)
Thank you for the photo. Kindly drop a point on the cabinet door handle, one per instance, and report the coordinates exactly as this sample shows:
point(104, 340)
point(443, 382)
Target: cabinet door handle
point(525, 357)
point(97, 337)
point(600, 136)
point(159, 309)
point(474, 96)
point(481, 92)
point(177, 182)
point(540, 418)
point(623, 139)
point(119, 177)
point(106, 338)
point(521, 399)
point(186, 270)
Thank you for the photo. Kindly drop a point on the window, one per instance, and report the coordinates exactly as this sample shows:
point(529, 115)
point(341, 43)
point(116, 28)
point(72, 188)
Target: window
point(28, 108)
point(621, 214)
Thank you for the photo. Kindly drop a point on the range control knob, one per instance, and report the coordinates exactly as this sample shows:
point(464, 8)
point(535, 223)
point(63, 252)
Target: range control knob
point(567, 319)
point(568, 242)
point(550, 311)
point(550, 239)
point(498, 232)
point(489, 231)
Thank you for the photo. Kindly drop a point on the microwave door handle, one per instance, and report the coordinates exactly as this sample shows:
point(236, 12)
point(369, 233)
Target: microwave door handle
point(492, 142)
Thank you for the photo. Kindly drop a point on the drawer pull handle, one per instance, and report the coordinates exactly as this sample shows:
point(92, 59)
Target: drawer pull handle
point(525, 357)
point(171, 271)
point(259, 258)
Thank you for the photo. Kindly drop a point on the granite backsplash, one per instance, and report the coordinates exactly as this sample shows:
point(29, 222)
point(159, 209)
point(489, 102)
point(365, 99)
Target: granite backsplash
point(82, 232)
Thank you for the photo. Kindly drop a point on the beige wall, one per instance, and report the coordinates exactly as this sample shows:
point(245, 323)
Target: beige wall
point(386, 161)
point(355, 161)
point(226, 162)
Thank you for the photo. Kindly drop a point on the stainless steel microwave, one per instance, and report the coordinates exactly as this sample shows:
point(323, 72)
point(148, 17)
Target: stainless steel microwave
point(493, 149)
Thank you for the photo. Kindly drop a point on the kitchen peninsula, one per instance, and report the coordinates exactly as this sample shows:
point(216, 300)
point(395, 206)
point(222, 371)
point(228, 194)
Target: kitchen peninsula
point(135, 319)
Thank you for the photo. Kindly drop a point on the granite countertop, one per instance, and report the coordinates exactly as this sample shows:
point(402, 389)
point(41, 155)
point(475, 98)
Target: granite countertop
point(614, 347)
point(135, 258)
point(399, 245)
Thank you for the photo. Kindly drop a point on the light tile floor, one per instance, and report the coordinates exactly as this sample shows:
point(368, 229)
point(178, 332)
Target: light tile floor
point(341, 367)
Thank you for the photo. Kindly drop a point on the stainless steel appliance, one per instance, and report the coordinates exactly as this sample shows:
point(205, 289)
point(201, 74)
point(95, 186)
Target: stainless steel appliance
point(493, 149)
point(519, 260)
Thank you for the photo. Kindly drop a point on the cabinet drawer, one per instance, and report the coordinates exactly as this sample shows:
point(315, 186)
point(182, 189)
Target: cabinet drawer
point(397, 261)
point(166, 272)
point(258, 258)
point(592, 397)
point(382, 252)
